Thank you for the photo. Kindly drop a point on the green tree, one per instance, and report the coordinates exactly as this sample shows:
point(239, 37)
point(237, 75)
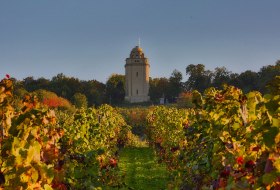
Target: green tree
point(175, 85)
point(221, 76)
point(31, 84)
point(80, 100)
point(115, 89)
point(247, 81)
point(158, 88)
point(266, 74)
point(65, 86)
point(95, 92)
point(199, 78)
point(274, 85)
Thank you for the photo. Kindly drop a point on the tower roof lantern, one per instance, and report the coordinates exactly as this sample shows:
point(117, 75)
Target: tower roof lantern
point(137, 52)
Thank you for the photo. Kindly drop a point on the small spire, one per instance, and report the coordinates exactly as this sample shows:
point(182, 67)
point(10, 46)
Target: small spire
point(139, 42)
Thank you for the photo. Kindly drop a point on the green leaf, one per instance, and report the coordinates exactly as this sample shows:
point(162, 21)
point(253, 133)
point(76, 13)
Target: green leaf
point(269, 178)
point(260, 188)
point(276, 122)
point(33, 153)
point(47, 187)
point(34, 175)
point(78, 173)
point(92, 170)
point(272, 106)
point(269, 136)
point(46, 173)
point(236, 126)
point(276, 164)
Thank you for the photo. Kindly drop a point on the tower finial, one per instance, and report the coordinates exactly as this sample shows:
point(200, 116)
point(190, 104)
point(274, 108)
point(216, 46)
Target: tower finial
point(139, 42)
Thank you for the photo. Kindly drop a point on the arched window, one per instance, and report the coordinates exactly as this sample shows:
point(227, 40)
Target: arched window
point(136, 74)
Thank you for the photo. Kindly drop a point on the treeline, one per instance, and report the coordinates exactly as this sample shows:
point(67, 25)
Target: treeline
point(80, 93)
point(199, 78)
point(92, 92)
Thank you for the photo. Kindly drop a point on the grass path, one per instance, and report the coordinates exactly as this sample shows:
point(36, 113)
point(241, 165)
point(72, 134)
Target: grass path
point(142, 172)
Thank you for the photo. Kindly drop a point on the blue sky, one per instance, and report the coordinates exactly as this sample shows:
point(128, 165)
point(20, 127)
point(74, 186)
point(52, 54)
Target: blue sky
point(90, 39)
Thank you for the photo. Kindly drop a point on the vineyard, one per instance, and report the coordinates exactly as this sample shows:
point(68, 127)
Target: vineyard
point(229, 140)
point(41, 149)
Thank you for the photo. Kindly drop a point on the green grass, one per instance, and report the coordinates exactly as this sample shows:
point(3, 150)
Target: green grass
point(142, 172)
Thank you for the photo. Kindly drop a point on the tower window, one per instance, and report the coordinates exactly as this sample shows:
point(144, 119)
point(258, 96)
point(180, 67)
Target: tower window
point(137, 91)
point(136, 74)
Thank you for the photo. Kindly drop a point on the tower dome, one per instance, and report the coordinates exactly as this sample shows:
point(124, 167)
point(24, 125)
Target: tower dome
point(136, 53)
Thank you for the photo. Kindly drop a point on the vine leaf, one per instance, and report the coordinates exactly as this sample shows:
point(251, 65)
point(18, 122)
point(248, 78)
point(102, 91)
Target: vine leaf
point(269, 136)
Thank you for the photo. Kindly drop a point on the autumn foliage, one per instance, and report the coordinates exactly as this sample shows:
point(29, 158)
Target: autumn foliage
point(56, 102)
point(51, 100)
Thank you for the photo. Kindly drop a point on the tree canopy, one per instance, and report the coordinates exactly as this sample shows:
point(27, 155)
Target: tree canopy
point(115, 89)
point(199, 78)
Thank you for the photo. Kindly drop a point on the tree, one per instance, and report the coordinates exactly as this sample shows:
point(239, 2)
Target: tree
point(199, 78)
point(30, 84)
point(158, 88)
point(274, 85)
point(65, 86)
point(266, 74)
point(80, 100)
point(175, 86)
point(95, 92)
point(115, 89)
point(221, 76)
point(247, 81)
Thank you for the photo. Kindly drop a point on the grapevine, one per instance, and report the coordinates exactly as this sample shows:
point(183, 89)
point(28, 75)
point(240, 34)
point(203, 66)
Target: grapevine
point(47, 149)
point(229, 140)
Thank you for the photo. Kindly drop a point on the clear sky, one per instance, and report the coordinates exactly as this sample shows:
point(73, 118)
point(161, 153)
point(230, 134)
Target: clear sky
point(90, 39)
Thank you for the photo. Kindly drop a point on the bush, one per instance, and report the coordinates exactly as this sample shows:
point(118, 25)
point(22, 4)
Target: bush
point(51, 100)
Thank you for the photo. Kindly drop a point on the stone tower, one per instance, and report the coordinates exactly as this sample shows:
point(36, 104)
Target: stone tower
point(137, 73)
